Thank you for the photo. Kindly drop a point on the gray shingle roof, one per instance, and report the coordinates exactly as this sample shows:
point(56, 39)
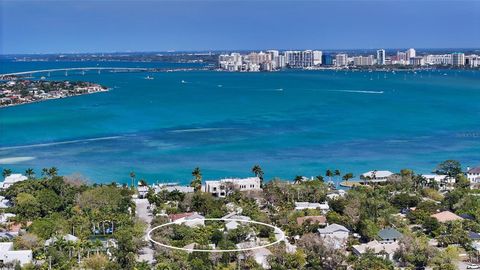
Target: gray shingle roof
point(389, 234)
point(474, 170)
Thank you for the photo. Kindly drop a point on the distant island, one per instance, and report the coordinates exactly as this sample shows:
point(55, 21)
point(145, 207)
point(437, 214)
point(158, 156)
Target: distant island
point(16, 92)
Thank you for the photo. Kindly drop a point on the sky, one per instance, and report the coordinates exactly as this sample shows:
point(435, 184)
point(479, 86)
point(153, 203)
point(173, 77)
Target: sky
point(74, 26)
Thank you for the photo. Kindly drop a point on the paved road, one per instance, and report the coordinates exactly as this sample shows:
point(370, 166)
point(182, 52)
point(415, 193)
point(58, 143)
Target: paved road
point(146, 253)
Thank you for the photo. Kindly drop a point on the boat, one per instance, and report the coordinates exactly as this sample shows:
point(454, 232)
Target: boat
point(183, 81)
point(149, 78)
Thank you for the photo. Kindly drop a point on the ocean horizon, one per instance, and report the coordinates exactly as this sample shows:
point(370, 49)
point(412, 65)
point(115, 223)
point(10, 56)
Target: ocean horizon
point(292, 122)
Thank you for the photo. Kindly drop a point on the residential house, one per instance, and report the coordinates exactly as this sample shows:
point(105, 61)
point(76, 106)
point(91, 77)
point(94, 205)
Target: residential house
point(8, 255)
point(191, 219)
point(385, 250)
point(446, 216)
point(473, 175)
point(260, 255)
point(66, 237)
point(220, 188)
point(12, 179)
point(324, 207)
point(376, 176)
point(233, 224)
point(335, 234)
point(389, 235)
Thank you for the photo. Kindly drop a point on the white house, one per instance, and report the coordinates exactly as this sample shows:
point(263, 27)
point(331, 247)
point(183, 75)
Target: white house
point(260, 255)
point(12, 179)
point(67, 237)
point(4, 203)
point(385, 249)
point(230, 225)
point(444, 181)
point(4, 217)
point(473, 175)
point(8, 255)
point(324, 207)
point(220, 188)
point(377, 176)
point(172, 187)
point(335, 234)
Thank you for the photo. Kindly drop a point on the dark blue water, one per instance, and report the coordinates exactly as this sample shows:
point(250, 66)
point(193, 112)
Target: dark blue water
point(291, 123)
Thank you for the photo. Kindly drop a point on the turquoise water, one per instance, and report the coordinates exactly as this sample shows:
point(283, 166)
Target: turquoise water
point(291, 123)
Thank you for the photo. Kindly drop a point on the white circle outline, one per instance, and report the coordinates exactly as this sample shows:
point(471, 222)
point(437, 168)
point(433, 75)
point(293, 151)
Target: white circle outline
point(282, 236)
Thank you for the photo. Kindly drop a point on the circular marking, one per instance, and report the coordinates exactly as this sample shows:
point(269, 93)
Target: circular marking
point(275, 228)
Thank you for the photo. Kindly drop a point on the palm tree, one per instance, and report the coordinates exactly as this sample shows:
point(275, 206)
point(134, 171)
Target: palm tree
point(132, 177)
point(197, 179)
point(257, 170)
point(142, 182)
point(329, 174)
point(45, 172)
point(6, 172)
point(298, 179)
point(30, 173)
point(319, 178)
point(347, 177)
point(53, 171)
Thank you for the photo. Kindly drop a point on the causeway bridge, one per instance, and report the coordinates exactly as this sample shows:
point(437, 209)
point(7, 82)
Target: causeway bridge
point(83, 69)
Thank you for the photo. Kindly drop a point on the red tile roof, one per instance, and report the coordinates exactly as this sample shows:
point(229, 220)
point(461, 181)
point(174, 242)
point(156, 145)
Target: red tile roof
point(174, 217)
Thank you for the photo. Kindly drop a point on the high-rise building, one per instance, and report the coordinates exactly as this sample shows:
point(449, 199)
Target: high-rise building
point(472, 60)
point(327, 59)
point(438, 59)
point(363, 60)
point(281, 61)
point(317, 58)
point(381, 57)
point(302, 59)
point(458, 59)
point(410, 53)
point(341, 59)
point(416, 61)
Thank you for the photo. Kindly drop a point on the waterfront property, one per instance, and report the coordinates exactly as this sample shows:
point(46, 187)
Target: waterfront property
point(376, 176)
point(12, 179)
point(473, 174)
point(220, 188)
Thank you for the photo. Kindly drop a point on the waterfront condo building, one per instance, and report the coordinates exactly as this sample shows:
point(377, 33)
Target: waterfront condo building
point(363, 60)
point(220, 188)
point(410, 53)
point(381, 57)
point(303, 59)
point(341, 59)
point(458, 59)
point(438, 59)
point(416, 61)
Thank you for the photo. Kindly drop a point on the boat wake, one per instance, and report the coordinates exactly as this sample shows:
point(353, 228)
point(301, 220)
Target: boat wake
point(358, 91)
point(59, 143)
point(198, 130)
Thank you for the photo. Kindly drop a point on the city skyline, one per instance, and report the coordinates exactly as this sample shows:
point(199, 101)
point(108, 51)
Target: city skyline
point(151, 26)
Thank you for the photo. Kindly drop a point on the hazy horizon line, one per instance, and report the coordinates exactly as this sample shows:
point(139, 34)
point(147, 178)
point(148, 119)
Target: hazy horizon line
point(233, 50)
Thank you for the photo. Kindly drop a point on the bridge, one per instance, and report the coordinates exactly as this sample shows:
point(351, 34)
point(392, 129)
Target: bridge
point(83, 69)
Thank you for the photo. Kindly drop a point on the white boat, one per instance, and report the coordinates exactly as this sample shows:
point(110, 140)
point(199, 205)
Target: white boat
point(149, 78)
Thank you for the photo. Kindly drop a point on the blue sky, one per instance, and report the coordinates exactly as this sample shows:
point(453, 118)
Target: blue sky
point(107, 26)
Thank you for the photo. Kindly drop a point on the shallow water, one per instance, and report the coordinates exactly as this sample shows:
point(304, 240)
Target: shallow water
point(291, 123)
